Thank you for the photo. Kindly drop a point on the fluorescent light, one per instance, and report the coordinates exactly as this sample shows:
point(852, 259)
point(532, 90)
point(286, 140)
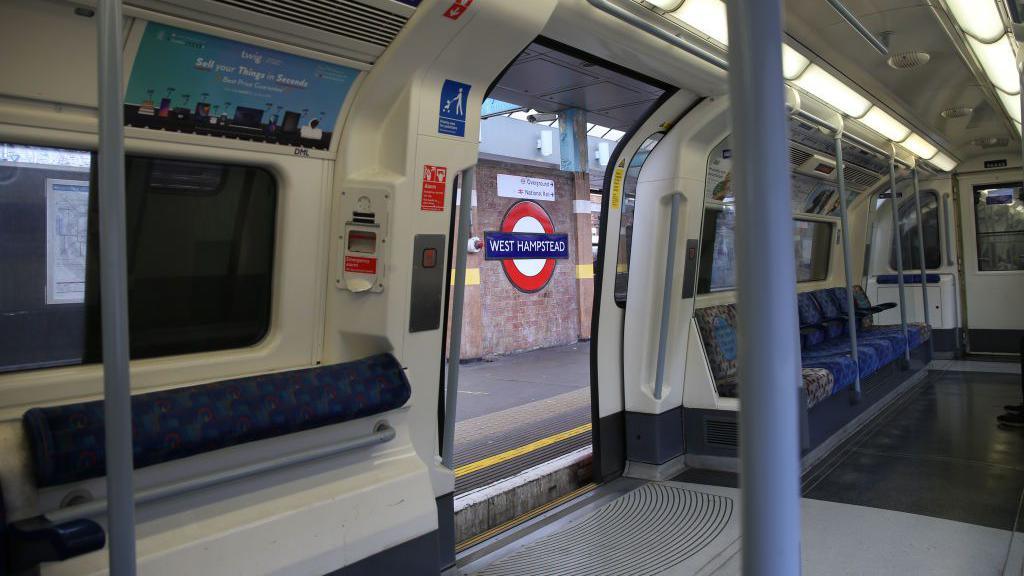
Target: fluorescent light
point(833, 92)
point(943, 162)
point(707, 17)
point(999, 63)
point(1011, 103)
point(920, 147)
point(666, 4)
point(793, 63)
point(885, 125)
point(978, 18)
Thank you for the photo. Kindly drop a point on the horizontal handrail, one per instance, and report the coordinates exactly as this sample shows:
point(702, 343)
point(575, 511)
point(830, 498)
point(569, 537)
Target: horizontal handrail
point(383, 433)
point(634, 20)
point(857, 25)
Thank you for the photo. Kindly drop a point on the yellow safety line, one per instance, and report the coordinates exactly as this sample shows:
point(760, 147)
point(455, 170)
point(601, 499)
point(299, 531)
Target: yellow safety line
point(516, 452)
point(474, 540)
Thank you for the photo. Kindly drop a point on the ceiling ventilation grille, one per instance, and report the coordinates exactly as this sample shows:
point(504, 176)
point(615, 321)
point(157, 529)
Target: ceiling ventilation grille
point(859, 177)
point(797, 156)
point(347, 18)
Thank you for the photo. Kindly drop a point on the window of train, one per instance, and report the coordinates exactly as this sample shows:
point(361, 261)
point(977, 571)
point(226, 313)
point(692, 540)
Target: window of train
point(811, 242)
point(200, 251)
point(908, 224)
point(999, 225)
point(629, 185)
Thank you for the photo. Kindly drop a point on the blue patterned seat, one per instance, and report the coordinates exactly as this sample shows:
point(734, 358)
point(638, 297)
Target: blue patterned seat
point(717, 327)
point(67, 442)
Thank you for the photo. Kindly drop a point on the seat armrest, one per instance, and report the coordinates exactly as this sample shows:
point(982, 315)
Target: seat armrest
point(36, 540)
point(882, 307)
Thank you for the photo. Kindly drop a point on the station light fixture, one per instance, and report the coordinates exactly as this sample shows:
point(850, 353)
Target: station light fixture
point(920, 147)
point(829, 89)
point(980, 19)
point(1011, 103)
point(943, 162)
point(999, 63)
point(706, 17)
point(793, 63)
point(886, 125)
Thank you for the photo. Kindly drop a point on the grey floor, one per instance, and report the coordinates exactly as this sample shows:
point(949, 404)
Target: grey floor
point(931, 486)
point(489, 386)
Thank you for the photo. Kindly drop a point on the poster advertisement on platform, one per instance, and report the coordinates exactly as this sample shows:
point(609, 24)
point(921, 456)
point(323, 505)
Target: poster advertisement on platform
point(185, 81)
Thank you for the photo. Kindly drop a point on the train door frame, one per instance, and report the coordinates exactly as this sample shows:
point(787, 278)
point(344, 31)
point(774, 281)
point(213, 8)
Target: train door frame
point(985, 326)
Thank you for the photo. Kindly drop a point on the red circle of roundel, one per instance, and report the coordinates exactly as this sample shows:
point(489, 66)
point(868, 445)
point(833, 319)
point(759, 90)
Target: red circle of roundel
point(518, 211)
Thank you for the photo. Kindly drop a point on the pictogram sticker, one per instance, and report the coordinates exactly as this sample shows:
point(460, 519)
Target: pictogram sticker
point(457, 9)
point(434, 180)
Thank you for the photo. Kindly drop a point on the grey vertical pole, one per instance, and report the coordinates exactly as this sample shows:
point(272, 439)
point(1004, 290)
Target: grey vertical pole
point(898, 236)
point(851, 314)
point(117, 407)
point(920, 253)
point(468, 183)
point(769, 357)
point(666, 295)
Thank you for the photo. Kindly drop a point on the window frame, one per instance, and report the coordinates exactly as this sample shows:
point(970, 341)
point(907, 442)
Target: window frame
point(659, 135)
point(830, 221)
point(974, 222)
point(912, 211)
point(90, 359)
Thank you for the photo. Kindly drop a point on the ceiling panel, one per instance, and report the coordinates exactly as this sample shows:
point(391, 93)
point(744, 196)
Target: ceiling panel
point(918, 94)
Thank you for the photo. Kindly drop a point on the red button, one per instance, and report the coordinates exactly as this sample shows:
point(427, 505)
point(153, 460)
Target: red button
point(429, 259)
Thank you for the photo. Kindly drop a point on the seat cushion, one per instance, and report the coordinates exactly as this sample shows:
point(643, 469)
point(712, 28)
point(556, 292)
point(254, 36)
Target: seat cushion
point(842, 368)
point(67, 442)
point(717, 328)
point(812, 332)
point(818, 383)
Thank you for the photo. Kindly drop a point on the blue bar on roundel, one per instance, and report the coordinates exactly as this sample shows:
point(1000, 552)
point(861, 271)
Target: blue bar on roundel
point(525, 246)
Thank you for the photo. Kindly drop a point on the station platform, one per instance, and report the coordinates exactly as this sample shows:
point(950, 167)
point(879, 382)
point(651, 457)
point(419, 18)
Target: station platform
point(516, 412)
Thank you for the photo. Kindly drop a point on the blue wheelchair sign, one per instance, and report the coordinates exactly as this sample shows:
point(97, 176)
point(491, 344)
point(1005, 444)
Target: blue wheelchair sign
point(452, 115)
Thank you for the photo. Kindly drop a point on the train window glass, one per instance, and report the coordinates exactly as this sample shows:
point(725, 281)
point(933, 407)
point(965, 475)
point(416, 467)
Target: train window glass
point(44, 201)
point(999, 225)
point(813, 245)
point(200, 252)
point(811, 239)
point(908, 224)
point(629, 185)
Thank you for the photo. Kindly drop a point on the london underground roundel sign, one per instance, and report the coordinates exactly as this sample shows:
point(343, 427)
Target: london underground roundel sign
point(527, 246)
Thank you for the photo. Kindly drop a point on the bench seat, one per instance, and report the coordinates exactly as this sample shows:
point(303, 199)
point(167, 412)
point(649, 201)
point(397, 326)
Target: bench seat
point(67, 442)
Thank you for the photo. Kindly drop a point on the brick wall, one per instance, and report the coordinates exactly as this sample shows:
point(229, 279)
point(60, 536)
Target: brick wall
point(514, 321)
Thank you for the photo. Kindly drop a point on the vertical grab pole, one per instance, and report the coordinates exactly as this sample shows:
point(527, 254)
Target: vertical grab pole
point(897, 233)
point(920, 254)
point(666, 295)
point(851, 311)
point(117, 407)
point(467, 183)
point(769, 356)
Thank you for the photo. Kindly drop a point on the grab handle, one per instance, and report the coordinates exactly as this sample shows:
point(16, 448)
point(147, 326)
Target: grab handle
point(666, 295)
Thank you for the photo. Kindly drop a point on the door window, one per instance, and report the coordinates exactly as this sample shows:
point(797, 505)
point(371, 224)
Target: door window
point(999, 225)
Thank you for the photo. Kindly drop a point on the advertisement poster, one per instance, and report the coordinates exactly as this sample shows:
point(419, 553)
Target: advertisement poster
point(184, 81)
point(67, 228)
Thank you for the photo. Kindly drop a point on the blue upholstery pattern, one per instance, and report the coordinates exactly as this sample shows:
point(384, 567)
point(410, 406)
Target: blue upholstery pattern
point(810, 317)
point(67, 442)
point(717, 327)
